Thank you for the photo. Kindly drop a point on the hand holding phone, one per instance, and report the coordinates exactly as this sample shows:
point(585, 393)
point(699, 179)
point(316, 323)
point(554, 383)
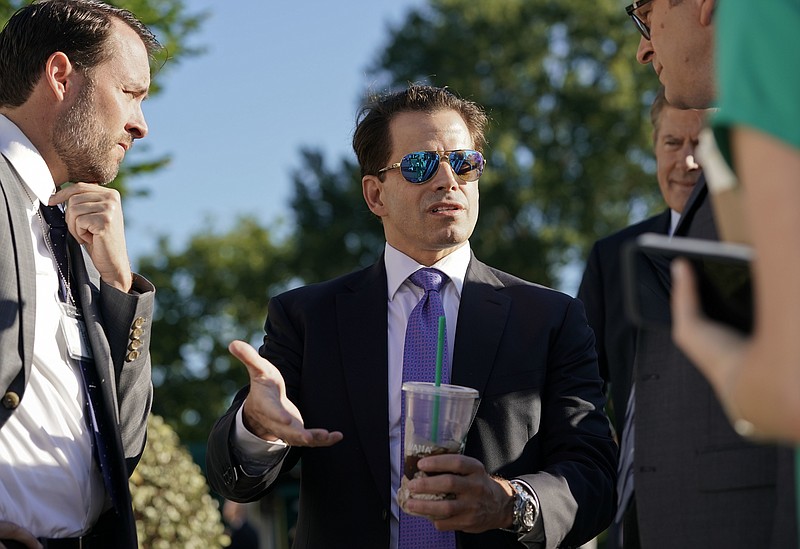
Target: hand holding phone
point(723, 279)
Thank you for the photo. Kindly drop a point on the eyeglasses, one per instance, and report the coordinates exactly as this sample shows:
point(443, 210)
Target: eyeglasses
point(641, 25)
point(419, 167)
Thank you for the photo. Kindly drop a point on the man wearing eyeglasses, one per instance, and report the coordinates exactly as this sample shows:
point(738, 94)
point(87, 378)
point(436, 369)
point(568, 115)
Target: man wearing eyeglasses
point(696, 482)
point(538, 466)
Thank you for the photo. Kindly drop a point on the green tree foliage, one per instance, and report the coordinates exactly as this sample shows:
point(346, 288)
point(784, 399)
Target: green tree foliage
point(336, 231)
point(568, 162)
point(214, 291)
point(568, 141)
point(173, 26)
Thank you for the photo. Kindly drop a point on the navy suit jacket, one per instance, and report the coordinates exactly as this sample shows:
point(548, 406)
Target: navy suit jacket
point(601, 292)
point(528, 351)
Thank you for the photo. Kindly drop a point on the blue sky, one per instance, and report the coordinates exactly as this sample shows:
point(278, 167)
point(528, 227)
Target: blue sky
point(276, 76)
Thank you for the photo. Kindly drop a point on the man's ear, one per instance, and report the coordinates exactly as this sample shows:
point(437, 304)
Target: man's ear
point(372, 188)
point(707, 12)
point(59, 74)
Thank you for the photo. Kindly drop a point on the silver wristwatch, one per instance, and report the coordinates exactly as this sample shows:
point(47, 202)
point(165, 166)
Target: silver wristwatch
point(524, 508)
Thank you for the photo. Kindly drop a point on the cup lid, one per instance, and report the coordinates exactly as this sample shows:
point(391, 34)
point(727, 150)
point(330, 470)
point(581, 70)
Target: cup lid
point(423, 387)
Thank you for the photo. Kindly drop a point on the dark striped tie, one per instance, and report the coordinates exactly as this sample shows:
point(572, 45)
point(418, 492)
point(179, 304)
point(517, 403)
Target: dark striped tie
point(625, 465)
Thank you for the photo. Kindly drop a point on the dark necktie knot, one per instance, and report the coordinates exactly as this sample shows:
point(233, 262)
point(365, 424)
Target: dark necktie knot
point(56, 239)
point(429, 279)
point(53, 216)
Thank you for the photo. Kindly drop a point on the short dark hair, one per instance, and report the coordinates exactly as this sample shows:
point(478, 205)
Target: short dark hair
point(655, 110)
point(78, 28)
point(371, 140)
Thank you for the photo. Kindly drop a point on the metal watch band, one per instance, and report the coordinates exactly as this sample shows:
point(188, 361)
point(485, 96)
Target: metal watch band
point(524, 508)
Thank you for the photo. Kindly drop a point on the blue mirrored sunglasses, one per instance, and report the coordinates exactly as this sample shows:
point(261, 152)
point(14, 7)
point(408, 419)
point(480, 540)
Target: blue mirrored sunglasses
point(419, 167)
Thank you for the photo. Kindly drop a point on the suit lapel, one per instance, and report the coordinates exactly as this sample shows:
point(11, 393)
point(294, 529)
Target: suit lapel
point(106, 411)
point(364, 348)
point(663, 221)
point(697, 220)
point(18, 287)
point(482, 317)
point(86, 295)
point(692, 203)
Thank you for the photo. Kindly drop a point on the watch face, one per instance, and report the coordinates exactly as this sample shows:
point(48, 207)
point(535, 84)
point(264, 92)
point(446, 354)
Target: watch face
point(524, 509)
point(527, 514)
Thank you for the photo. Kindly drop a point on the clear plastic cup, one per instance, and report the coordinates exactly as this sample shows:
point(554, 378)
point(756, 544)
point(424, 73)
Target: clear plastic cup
point(437, 421)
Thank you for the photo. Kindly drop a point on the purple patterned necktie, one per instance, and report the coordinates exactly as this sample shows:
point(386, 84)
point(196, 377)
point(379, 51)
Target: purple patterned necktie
point(419, 364)
point(422, 332)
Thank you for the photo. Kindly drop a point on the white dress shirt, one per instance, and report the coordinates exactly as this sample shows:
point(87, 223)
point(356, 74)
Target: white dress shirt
point(49, 482)
point(674, 218)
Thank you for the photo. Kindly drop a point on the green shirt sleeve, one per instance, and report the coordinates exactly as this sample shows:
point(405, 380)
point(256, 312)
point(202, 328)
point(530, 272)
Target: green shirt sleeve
point(758, 68)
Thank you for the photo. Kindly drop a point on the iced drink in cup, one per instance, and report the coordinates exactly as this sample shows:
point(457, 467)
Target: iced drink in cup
point(437, 421)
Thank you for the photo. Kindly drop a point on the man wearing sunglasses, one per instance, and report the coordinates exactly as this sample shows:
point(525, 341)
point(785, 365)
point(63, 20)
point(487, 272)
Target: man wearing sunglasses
point(538, 466)
point(696, 482)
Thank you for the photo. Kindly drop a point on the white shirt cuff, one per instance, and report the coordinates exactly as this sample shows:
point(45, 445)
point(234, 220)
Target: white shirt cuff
point(253, 448)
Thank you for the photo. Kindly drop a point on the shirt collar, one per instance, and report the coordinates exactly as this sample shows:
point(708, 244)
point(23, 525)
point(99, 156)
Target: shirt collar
point(399, 267)
point(674, 218)
point(30, 165)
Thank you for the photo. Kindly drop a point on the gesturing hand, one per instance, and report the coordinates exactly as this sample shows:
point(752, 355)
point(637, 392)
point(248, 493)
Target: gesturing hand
point(94, 218)
point(268, 413)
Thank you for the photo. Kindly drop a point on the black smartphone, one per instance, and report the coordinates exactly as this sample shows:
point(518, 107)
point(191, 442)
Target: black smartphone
point(722, 270)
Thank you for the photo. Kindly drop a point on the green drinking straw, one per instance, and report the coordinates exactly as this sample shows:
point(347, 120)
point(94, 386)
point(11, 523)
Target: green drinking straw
point(438, 378)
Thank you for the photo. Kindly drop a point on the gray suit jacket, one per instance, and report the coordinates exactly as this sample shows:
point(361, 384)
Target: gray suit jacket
point(525, 348)
point(697, 483)
point(111, 320)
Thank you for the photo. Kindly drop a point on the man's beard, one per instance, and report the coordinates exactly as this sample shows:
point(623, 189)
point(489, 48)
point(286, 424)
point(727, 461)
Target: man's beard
point(82, 144)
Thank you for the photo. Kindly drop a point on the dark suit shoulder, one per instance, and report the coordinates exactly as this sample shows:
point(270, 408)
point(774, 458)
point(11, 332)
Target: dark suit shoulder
point(656, 224)
point(516, 287)
point(605, 262)
point(320, 292)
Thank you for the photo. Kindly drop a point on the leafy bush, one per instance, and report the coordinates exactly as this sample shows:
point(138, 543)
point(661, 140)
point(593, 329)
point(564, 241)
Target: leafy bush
point(171, 501)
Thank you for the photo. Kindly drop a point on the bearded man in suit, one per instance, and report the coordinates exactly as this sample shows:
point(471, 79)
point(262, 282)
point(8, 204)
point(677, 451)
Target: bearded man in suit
point(74, 321)
point(538, 465)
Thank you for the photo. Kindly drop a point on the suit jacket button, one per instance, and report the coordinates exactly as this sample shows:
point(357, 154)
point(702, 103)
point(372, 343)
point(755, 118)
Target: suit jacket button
point(136, 333)
point(10, 400)
point(133, 355)
point(229, 477)
point(135, 344)
point(139, 322)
